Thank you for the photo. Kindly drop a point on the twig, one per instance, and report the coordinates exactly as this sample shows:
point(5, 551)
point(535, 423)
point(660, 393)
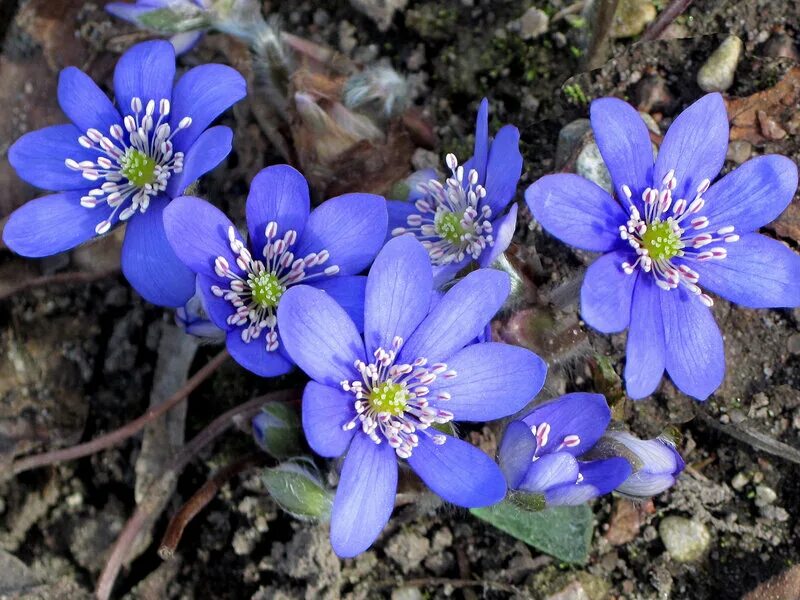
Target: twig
point(428, 582)
point(58, 278)
point(569, 10)
point(124, 432)
point(664, 19)
point(148, 510)
point(200, 500)
point(601, 27)
point(752, 436)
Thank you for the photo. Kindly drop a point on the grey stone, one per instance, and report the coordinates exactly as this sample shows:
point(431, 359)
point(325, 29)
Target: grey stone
point(686, 540)
point(765, 495)
point(591, 166)
point(407, 593)
point(716, 75)
point(632, 17)
point(408, 550)
point(739, 151)
point(533, 23)
point(569, 137)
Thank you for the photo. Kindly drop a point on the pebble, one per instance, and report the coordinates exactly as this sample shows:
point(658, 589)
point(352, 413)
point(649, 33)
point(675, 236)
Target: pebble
point(685, 540)
point(653, 95)
point(407, 593)
point(716, 75)
point(739, 481)
point(781, 45)
point(408, 550)
point(632, 17)
point(739, 151)
point(591, 166)
point(533, 23)
point(765, 495)
point(793, 343)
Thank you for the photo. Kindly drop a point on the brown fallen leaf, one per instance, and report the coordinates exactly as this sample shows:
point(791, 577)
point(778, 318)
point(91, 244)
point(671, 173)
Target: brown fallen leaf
point(627, 519)
point(766, 115)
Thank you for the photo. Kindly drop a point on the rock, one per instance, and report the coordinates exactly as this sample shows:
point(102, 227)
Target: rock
point(591, 166)
point(780, 587)
point(686, 540)
point(793, 343)
point(569, 138)
point(739, 151)
point(739, 481)
point(627, 519)
point(716, 75)
point(765, 496)
point(408, 550)
point(16, 577)
point(380, 11)
point(653, 95)
point(574, 591)
point(781, 45)
point(407, 593)
point(631, 18)
point(533, 23)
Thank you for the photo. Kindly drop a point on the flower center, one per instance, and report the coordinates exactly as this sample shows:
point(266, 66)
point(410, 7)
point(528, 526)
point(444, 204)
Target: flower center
point(661, 241)
point(392, 401)
point(668, 236)
point(256, 286)
point(452, 221)
point(542, 434)
point(133, 163)
point(266, 289)
point(137, 167)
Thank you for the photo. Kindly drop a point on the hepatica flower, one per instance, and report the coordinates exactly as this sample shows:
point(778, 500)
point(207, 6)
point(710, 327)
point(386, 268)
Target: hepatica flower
point(188, 20)
point(465, 218)
point(670, 237)
point(540, 454)
point(388, 396)
point(123, 164)
point(656, 463)
point(243, 283)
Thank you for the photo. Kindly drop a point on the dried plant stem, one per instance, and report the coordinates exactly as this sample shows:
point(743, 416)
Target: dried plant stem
point(664, 19)
point(124, 432)
point(149, 509)
point(200, 500)
point(59, 278)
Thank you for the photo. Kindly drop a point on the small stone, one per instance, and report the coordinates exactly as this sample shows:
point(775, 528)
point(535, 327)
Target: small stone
point(574, 591)
point(781, 45)
point(533, 23)
point(765, 495)
point(653, 95)
point(685, 540)
point(380, 11)
point(769, 127)
point(793, 343)
point(570, 136)
point(591, 166)
point(739, 151)
point(631, 18)
point(739, 481)
point(716, 75)
point(407, 593)
point(408, 550)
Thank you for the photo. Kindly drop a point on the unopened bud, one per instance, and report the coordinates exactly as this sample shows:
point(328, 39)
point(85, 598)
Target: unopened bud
point(297, 489)
point(276, 430)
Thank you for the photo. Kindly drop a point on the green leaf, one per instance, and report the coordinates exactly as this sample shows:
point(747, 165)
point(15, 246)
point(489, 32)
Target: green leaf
point(297, 489)
point(564, 532)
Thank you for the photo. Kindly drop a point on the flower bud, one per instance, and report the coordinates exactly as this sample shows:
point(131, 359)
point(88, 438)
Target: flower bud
point(296, 488)
point(276, 430)
point(192, 317)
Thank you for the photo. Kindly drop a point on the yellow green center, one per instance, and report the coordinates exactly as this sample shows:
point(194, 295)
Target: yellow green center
point(138, 168)
point(661, 241)
point(266, 289)
point(448, 226)
point(388, 397)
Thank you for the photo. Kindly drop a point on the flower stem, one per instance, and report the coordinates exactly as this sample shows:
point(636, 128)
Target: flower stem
point(115, 437)
point(58, 278)
point(152, 505)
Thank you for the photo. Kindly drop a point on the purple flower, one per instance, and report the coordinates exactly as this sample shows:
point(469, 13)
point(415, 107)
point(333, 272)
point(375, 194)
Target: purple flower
point(539, 454)
point(142, 12)
point(387, 396)
point(656, 463)
point(243, 284)
point(668, 236)
point(463, 219)
point(111, 167)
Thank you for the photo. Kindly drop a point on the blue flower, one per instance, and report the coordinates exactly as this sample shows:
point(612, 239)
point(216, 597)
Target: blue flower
point(656, 463)
point(390, 394)
point(112, 166)
point(463, 219)
point(669, 235)
point(193, 10)
point(540, 454)
point(243, 284)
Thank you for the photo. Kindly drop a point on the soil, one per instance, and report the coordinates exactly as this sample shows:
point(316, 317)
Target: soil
point(78, 360)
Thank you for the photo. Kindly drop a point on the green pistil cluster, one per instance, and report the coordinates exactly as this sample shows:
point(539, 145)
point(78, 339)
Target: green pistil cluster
point(661, 241)
point(138, 168)
point(389, 397)
point(448, 227)
point(266, 289)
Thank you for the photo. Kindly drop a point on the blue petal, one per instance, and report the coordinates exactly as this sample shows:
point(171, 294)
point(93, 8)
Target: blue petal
point(84, 103)
point(325, 411)
point(398, 293)
point(52, 224)
point(607, 292)
point(459, 317)
point(349, 292)
point(480, 156)
point(580, 414)
point(694, 146)
point(695, 354)
point(351, 227)
point(752, 195)
point(646, 349)
point(414, 180)
point(204, 93)
point(38, 158)
point(207, 152)
point(198, 233)
point(280, 194)
point(146, 71)
point(444, 274)
point(645, 485)
point(576, 211)
point(150, 264)
point(254, 356)
point(398, 211)
point(599, 477)
point(492, 381)
point(516, 452)
point(624, 143)
point(548, 471)
point(365, 497)
point(758, 272)
point(503, 170)
point(183, 42)
point(218, 309)
point(458, 472)
point(318, 335)
point(503, 231)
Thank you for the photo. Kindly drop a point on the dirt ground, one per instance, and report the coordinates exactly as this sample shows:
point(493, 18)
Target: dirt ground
point(81, 359)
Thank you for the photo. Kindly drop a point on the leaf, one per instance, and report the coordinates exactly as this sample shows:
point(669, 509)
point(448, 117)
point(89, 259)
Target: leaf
point(564, 532)
point(298, 490)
